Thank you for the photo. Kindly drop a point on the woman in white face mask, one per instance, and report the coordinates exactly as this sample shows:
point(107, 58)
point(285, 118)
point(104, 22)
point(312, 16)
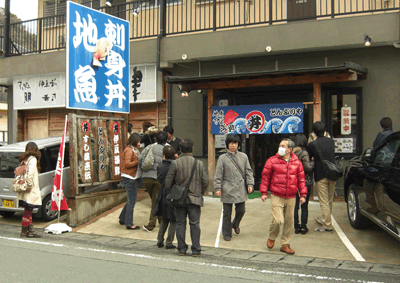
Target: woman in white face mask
point(233, 181)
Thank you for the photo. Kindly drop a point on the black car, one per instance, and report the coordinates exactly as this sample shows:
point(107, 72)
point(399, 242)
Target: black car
point(372, 187)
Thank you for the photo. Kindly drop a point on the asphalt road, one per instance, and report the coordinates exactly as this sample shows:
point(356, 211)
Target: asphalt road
point(71, 258)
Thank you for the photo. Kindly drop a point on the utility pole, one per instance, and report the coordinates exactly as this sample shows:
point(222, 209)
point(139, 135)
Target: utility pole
point(6, 38)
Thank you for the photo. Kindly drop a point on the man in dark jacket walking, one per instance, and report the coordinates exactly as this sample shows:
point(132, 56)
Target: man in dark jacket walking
point(179, 174)
point(283, 174)
point(325, 187)
point(386, 124)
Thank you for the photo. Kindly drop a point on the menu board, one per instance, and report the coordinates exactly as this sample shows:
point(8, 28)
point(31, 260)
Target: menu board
point(343, 145)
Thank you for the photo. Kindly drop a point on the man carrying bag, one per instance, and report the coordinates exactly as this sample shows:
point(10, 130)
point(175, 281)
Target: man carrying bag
point(179, 174)
point(325, 187)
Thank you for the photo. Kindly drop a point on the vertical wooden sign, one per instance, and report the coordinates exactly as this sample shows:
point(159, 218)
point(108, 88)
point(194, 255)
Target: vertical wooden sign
point(85, 152)
point(115, 140)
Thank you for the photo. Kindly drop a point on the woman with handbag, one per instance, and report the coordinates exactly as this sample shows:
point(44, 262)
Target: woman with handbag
point(233, 181)
point(129, 176)
point(30, 198)
point(301, 151)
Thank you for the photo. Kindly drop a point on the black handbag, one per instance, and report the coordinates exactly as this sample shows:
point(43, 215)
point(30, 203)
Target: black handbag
point(332, 171)
point(309, 180)
point(178, 195)
point(240, 171)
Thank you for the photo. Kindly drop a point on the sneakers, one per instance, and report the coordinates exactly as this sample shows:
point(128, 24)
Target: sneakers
point(319, 221)
point(147, 228)
point(270, 243)
point(322, 229)
point(287, 249)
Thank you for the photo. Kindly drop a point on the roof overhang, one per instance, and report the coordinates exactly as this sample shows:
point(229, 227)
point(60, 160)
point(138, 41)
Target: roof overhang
point(347, 72)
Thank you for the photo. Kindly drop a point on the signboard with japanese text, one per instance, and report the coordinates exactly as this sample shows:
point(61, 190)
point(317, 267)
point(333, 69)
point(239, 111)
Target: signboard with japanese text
point(345, 128)
point(40, 91)
point(146, 84)
point(97, 60)
point(85, 154)
point(343, 145)
point(101, 144)
point(258, 119)
point(116, 148)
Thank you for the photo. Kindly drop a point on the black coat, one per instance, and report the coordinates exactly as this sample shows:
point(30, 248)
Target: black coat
point(161, 208)
point(327, 147)
point(382, 135)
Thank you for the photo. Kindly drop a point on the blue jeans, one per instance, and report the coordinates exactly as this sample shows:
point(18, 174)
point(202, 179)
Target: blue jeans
point(131, 192)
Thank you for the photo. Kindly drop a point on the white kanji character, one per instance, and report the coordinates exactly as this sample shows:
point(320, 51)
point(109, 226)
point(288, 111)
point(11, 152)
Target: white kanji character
point(87, 166)
point(116, 138)
point(86, 32)
point(86, 147)
point(85, 85)
point(116, 159)
point(86, 156)
point(115, 92)
point(115, 34)
point(86, 138)
point(116, 170)
point(88, 176)
point(116, 148)
point(115, 64)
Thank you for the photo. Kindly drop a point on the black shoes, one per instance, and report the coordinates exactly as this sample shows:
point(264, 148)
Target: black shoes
point(227, 238)
point(170, 247)
point(237, 230)
point(297, 230)
point(122, 222)
point(130, 228)
point(304, 231)
point(160, 245)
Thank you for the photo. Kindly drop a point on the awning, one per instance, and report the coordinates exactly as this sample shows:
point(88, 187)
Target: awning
point(347, 72)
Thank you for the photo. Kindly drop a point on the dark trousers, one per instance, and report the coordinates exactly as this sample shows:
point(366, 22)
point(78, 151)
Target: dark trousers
point(153, 188)
point(304, 211)
point(227, 225)
point(171, 232)
point(193, 212)
point(131, 192)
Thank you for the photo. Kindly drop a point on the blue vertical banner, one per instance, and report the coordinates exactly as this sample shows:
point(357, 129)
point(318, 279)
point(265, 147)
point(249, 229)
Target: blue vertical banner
point(258, 119)
point(97, 54)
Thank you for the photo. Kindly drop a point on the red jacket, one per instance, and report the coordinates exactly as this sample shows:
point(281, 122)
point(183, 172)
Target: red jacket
point(282, 178)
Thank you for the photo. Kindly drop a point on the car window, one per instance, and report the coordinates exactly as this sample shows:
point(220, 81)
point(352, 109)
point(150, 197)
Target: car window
point(43, 163)
point(386, 153)
point(8, 162)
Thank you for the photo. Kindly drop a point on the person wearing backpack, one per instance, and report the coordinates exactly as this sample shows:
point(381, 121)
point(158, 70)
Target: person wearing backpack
point(180, 174)
point(149, 159)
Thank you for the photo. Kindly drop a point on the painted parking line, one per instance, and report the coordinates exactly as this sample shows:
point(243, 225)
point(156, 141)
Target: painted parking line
point(219, 231)
point(346, 241)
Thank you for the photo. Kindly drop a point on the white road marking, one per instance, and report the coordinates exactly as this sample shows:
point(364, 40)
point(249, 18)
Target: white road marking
point(346, 241)
point(240, 268)
point(219, 230)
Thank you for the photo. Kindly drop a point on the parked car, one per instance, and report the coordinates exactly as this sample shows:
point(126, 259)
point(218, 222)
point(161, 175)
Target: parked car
point(372, 187)
point(49, 148)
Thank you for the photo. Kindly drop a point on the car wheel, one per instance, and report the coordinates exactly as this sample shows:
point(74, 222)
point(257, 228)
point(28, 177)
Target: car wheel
point(46, 212)
point(357, 220)
point(7, 213)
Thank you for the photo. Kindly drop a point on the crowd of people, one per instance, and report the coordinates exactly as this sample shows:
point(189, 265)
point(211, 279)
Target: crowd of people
point(288, 175)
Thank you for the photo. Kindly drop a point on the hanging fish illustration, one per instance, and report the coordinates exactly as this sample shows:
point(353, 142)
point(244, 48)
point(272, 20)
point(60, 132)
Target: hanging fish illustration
point(103, 48)
point(230, 117)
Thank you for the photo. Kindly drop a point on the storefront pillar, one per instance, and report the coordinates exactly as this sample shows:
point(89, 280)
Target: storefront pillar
point(211, 141)
point(317, 102)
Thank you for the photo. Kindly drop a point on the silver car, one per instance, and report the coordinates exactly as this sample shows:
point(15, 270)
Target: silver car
point(49, 148)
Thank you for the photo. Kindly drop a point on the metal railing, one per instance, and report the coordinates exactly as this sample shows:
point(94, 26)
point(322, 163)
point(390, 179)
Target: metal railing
point(183, 16)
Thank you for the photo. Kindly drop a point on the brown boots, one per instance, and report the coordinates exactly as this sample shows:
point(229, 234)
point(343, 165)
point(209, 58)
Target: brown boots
point(29, 232)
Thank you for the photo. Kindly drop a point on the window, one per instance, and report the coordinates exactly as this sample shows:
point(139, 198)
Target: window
point(94, 4)
point(54, 8)
point(344, 121)
point(386, 153)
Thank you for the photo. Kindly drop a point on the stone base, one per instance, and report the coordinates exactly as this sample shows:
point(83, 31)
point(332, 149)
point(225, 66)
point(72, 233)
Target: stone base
point(87, 206)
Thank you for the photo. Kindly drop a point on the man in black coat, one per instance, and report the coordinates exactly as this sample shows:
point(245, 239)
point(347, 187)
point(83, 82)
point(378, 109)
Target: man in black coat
point(325, 187)
point(386, 124)
point(172, 140)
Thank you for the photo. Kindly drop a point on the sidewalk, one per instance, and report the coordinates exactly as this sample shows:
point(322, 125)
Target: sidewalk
point(254, 232)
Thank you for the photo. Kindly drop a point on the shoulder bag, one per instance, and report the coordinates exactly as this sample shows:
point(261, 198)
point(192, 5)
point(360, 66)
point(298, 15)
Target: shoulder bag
point(178, 195)
point(148, 160)
point(240, 171)
point(332, 171)
point(309, 176)
point(21, 172)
